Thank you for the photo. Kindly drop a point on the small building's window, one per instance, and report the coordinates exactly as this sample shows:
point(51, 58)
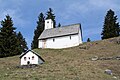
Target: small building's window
point(25, 58)
point(29, 58)
point(53, 40)
point(70, 37)
point(47, 21)
point(32, 57)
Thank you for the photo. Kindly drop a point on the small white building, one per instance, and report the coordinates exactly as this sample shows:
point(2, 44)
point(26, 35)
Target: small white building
point(30, 57)
point(60, 37)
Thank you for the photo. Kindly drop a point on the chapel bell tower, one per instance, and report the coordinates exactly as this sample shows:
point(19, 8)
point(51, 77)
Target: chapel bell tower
point(48, 24)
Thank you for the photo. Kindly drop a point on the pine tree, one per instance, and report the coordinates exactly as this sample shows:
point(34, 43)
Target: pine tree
point(38, 31)
point(88, 40)
point(22, 42)
point(117, 28)
point(0, 42)
point(50, 15)
point(111, 26)
point(8, 41)
point(59, 25)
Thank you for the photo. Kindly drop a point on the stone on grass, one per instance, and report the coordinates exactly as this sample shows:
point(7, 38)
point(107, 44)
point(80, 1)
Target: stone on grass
point(94, 58)
point(108, 71)
point(118, 57)
point(114, 77)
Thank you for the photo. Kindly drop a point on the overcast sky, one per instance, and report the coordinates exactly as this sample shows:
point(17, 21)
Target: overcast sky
point(90, 13)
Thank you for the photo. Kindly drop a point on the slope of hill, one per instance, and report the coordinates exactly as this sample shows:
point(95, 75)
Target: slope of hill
point(69, 64)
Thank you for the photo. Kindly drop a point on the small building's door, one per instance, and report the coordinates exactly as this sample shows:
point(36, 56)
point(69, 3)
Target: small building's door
point(43, 43)
point(28, 62)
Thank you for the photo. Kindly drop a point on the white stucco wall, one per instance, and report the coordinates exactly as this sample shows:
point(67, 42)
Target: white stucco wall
point(29, 55)
point(80, 37)
point(40, 44)
point(61, 42)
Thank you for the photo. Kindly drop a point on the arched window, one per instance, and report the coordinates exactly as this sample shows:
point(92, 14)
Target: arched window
point(32, 57)
point(25, 58)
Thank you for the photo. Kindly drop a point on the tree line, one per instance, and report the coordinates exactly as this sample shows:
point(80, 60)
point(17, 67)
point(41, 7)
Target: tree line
point(11, 42)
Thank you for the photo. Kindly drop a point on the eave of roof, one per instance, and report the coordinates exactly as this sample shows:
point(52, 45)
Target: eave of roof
point(58, 36)
point(60, 31)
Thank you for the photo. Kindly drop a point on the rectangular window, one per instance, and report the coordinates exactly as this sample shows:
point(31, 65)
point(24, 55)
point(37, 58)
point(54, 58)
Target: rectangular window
point(25, 58)
point(53, 40)
point(70, 37)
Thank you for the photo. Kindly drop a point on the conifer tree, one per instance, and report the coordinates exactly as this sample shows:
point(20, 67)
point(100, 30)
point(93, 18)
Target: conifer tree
point(8, 41)
point(22, 42)
point(38, 31)
point(50, 15)
point(111, 26)
point(0, 41)
point(88, 40)
point(59, 25)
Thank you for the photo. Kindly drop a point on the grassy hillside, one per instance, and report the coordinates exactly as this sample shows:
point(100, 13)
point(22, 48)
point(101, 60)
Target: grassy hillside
point(68, 64)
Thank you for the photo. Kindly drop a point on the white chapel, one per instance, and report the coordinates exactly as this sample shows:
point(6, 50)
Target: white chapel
point(60, 37)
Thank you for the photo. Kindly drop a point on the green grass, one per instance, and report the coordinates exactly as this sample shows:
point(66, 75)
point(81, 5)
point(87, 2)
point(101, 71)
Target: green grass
point(67, 64)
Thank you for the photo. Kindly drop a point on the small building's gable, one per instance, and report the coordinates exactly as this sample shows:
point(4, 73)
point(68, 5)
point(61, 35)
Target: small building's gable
point(30, 57)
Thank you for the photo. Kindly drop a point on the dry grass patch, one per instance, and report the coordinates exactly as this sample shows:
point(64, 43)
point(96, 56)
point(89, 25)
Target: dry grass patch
point(67, 64)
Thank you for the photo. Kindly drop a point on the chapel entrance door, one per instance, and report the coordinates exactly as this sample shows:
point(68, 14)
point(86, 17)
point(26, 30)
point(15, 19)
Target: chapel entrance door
point(43, 43)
